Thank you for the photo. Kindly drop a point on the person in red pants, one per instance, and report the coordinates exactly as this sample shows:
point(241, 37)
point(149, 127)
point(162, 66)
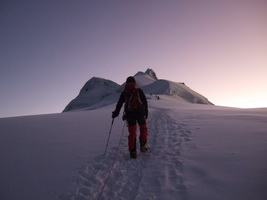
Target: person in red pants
point(135, 112)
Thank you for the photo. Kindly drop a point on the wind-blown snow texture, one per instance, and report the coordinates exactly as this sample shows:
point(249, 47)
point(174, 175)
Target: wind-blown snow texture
point(98, 92)
point(198, 152)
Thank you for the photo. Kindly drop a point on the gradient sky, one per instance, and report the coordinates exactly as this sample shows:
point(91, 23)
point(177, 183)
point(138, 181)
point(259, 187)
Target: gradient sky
point(50, 48)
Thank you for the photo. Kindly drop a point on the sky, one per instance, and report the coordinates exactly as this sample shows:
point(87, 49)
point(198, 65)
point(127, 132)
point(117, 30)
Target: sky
point(50, 49)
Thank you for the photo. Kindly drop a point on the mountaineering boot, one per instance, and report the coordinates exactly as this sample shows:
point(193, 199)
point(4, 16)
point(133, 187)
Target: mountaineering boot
point(143, 148)
point(133, 154)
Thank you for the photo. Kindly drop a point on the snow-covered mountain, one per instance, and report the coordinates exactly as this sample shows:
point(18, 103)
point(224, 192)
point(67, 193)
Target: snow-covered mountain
point(98, 92)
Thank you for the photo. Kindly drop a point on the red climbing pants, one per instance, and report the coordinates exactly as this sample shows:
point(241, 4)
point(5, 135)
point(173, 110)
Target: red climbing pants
point(132, 136)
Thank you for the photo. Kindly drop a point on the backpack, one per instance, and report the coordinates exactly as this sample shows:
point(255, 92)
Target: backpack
point(132, 100)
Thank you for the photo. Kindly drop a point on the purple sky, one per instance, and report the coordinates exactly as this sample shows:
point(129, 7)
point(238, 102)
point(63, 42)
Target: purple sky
point(49, 49)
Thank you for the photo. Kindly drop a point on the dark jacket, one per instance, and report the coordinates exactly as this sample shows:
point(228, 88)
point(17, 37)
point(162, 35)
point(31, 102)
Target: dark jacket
point(142, 112)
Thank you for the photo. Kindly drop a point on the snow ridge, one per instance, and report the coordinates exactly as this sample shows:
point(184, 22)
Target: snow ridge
point(99, 92)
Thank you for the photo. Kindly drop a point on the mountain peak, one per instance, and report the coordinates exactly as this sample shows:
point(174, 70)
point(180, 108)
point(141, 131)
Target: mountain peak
point(97, 82)
point(93, 93)
point(151, 73)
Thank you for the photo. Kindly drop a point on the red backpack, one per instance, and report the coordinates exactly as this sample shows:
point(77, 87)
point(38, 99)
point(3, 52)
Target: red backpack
point(133, 101)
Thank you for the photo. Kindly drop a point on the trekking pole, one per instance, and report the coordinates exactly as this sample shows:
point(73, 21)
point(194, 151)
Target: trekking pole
point(109, 136)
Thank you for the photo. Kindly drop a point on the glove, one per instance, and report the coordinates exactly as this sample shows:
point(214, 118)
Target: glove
point(115, 114)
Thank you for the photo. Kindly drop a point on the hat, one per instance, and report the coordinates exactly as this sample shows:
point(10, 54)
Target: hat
point(130, 79)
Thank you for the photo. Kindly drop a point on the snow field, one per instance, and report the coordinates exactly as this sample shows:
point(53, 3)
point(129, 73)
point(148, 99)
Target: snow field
point(198, 152)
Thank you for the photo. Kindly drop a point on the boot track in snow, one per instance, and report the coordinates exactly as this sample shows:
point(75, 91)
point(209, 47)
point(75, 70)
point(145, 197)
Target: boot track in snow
point(153, 175)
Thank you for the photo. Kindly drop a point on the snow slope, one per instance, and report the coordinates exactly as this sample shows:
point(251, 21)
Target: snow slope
point(198, 152)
